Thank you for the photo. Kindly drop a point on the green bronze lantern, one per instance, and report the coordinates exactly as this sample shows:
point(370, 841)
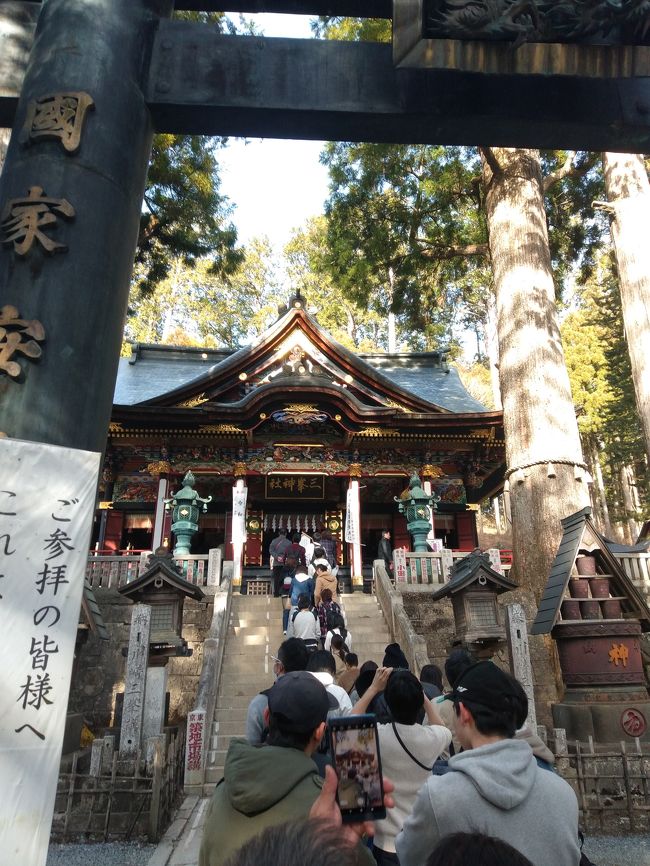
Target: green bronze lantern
point(185, 506)
point(418, 507)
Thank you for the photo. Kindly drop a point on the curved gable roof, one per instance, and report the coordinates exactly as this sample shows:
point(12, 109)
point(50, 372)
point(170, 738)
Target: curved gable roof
point(168, 376)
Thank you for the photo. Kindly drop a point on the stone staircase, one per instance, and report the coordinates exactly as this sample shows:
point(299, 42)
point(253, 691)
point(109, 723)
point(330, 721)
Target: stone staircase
point(254, 635)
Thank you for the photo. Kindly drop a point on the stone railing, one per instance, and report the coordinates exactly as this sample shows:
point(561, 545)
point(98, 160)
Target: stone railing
point(111, 572)
point(427, 570)
point(199, 721)
point(401, 629)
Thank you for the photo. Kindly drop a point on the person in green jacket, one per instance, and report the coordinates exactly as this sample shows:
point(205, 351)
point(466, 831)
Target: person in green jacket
point(265, 785)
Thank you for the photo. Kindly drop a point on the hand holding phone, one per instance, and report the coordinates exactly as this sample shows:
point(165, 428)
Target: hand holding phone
point(357, 761)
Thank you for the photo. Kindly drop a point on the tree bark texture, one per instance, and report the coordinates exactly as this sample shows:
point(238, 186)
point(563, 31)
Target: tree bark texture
point(538, 412)
point(628, 192)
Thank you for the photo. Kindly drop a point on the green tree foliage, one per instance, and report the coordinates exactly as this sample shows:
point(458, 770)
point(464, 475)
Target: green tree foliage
point(356, 326)
point(196, 306)
point(184, 214)
point(405, 228)
point(601, 382)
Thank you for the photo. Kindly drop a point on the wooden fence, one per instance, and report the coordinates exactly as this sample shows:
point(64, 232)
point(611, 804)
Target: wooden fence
point(611, 783)
point(122, 801)
point(111, 572)
point(431, 568)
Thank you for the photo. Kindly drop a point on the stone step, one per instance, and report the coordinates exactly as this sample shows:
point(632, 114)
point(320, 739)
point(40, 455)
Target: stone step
point(231, 714)
point(232, 728)
point(227, 701)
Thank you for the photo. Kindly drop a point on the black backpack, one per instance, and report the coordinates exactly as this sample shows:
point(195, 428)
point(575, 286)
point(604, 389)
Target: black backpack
point(333, 618)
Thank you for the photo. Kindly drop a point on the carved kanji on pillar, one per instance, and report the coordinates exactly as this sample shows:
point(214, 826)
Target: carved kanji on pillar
point(23, 218)
point(57, 115)
point(13, 330)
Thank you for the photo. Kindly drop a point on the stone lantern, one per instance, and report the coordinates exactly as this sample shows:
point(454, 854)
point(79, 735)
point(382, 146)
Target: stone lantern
point(164, 589)
point(473, 588)
point(417, 507)
point(185, 507)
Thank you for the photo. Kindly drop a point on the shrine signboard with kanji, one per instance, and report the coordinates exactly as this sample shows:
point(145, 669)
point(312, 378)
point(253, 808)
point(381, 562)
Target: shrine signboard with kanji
point(295, 487)
point(47, 499)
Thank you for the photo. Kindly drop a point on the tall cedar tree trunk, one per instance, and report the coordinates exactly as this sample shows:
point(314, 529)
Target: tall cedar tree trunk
point(538, 413)
point(628, 192)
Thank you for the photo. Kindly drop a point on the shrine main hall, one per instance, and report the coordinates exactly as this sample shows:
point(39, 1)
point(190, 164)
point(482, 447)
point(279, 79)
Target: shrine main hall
point(316, 437)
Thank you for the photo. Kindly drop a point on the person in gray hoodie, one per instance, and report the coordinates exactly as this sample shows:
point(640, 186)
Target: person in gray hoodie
point(494, 786)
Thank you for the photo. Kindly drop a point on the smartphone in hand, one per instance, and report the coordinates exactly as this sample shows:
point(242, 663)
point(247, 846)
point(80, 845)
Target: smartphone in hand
point(355, 756)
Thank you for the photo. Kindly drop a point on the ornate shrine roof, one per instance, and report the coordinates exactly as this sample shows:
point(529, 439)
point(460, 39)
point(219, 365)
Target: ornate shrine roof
point(155, 373)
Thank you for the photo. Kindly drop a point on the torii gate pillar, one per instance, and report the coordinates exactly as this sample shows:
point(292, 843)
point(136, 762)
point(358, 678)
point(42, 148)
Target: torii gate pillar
point(70, 202)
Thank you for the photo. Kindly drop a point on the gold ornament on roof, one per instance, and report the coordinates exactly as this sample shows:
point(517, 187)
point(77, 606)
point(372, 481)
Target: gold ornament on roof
point(159, 467)
point(376, 432)
point(239, 469)
point(355, 470)
point(300, 407)
point(430, 471)
point(399, 406)
point(192, 402)
point(219, 428)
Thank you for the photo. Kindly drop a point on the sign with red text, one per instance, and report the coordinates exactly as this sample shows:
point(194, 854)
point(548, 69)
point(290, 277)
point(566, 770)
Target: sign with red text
point(47, 501)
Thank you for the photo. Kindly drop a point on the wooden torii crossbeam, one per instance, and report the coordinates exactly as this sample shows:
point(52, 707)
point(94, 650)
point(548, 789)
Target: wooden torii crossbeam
point(86, 90)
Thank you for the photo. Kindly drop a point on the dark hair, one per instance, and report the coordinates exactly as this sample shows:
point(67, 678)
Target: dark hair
point(468, 849)
point(326, 595)
point(339, 646)
point(300, 569)
point(394, 657)
point(290, 561)
point(458, 662)
point(296, 538)
point(281, 532)
point(335, 620)
point(293, 654)
point(321, 662)
point(295, 843)
point(370, 665)
point(404, 697)
point(321, 567)
point(287, 739)
point(505, 720)
point(431, 674)
point(352, 659)
point(303, 601)
point(319, 553)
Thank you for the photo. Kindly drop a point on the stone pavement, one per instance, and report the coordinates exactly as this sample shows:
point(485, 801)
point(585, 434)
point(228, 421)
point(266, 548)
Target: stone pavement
point(180, 844)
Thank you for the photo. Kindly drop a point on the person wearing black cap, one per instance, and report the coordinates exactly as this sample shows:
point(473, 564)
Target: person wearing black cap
point(494, 786)
point(267, 785)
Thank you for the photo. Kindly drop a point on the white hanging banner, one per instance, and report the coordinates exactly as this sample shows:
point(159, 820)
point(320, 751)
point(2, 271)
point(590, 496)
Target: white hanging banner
point(239, 514)
point(47, 500)
point(352, 515)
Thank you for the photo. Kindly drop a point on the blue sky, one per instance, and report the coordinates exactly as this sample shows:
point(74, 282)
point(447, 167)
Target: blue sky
point(275, 184)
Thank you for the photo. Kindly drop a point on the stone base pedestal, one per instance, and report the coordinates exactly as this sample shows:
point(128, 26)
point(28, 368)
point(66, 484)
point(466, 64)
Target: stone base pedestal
point(608, 715)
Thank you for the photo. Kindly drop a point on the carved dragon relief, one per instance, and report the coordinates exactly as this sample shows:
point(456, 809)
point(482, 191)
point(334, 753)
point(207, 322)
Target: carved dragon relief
point(519, 21)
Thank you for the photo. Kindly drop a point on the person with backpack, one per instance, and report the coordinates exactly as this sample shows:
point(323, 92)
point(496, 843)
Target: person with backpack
point(336, 626)
point(325, 580)
point(329, 546)
point(278, 550)
point(318, 558)
point(322, 609)
point(303, 623)
point(408, 749)
point(339, 651)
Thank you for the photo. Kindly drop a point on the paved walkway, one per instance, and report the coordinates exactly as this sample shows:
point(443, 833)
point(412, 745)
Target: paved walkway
point(180, 844)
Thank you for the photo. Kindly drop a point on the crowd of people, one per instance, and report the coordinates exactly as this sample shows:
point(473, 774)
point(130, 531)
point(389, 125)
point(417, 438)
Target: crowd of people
point(465, 781)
